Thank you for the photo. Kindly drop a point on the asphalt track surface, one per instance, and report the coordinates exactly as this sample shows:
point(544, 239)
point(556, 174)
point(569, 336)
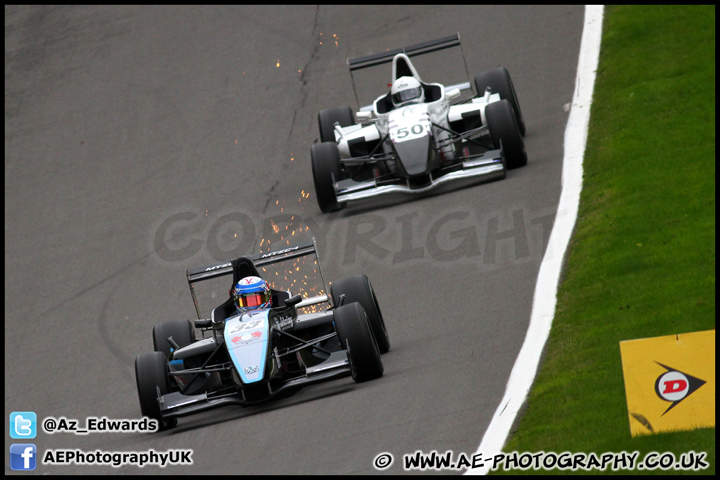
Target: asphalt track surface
point(138, 142)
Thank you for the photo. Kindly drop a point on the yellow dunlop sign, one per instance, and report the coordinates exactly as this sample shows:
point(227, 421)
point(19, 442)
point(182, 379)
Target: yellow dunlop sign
point(670, 382)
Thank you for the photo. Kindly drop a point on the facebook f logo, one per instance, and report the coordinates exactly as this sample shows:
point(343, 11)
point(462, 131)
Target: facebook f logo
point(23, 425)
point(23, 456)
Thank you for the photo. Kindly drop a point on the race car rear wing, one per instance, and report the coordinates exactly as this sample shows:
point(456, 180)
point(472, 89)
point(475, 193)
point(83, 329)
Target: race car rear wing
point(293, 251)
point(198, 274)
point(411, 51)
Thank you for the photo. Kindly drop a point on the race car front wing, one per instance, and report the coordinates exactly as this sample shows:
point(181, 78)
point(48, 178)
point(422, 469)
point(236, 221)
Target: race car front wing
point(489, 165)
point(175, 404)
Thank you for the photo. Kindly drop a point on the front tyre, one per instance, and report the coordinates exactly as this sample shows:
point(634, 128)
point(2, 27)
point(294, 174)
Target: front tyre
point(326, 171)
point(498, 79)
point(358, 289)
point(503, 127)
point(355, 336)
point(151, 373)
point(181, 331)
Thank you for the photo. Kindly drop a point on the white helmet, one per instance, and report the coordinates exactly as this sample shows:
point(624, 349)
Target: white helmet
point(406, 90)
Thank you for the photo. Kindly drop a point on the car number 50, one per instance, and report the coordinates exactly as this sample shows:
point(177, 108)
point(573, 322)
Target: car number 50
point(407, 133)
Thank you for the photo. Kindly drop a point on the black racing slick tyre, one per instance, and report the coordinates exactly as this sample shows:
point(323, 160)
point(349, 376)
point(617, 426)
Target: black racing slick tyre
point(503, 127)
point(499, 81)
point(356, 337)
point(326, 171)
point(344, 116)
point(181, 331)
point(358, 289)
point(151, 373)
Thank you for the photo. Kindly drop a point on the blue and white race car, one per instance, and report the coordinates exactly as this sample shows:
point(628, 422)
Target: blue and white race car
point(245, 358)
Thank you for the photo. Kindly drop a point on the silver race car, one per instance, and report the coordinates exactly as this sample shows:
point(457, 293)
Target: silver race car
point(419, 135)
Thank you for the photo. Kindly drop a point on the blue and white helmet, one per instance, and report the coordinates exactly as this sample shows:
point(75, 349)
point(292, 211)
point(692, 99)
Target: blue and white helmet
point(251, 293)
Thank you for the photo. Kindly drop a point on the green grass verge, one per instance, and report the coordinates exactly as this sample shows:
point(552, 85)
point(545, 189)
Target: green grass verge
point(642, 259)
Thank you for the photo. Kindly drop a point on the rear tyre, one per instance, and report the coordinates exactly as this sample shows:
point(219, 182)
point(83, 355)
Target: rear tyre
point(503, 127)
point(358, 289)
point(327, 118)
point(356, 337)
point(498, 79)
point(151, 373)
point(326, 171)
point(181, 331)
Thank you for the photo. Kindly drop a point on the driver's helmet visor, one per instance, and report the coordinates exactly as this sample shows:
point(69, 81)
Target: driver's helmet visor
point(256, 299)
point(407, 94)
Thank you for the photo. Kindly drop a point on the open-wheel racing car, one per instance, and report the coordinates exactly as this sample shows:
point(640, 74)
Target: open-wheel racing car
point(413, 138)
point(272, 351)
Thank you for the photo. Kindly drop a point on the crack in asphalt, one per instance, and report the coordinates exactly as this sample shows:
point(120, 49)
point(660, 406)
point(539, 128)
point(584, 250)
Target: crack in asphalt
point(314, 56)
point(269, 195)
